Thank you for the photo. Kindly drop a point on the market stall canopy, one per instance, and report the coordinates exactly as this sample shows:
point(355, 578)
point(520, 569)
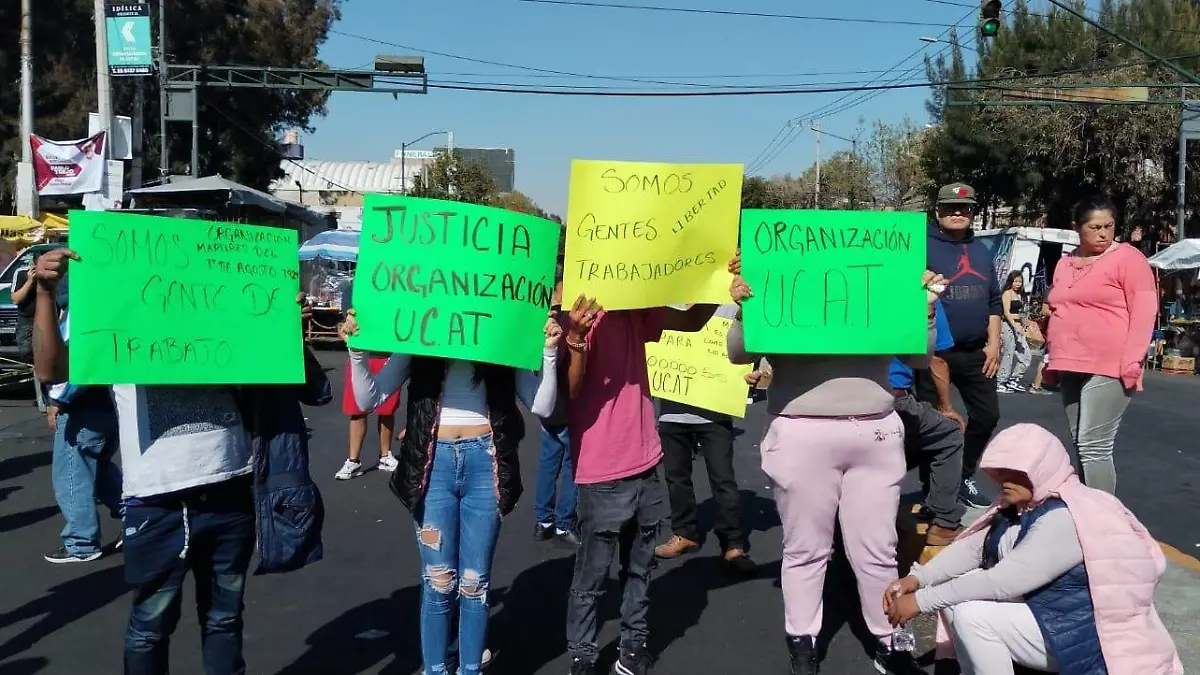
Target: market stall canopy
point(25, 230)
point(233, 194)
point(333, 245)
point(1184, 255)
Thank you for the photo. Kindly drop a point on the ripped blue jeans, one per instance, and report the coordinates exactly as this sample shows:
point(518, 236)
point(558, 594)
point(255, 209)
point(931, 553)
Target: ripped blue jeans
point(209, 531)
point(457, 527)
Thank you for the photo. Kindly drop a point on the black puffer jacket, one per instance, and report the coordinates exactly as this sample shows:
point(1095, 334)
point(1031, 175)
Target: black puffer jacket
point(426, 379)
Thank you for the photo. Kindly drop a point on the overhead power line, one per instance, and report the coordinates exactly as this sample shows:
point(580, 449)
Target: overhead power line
point(793, 127)
point(1159, 29)
point(271, 146)
point(727, 12)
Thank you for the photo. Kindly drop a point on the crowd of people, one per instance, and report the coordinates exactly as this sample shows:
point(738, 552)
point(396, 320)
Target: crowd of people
point(1056, 575)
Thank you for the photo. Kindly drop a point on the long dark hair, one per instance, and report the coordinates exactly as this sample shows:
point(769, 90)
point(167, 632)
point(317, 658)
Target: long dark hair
point(1089, 205)
point(1013, 276)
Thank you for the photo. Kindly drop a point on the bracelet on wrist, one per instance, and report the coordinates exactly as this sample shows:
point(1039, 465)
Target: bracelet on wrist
point(576, 346)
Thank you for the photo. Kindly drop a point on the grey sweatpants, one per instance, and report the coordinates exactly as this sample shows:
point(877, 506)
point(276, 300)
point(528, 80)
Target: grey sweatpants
point(935, 441)
point(1095, 405)
point(1014, 356)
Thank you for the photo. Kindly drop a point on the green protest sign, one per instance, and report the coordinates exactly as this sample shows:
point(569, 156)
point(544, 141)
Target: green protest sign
point(834, 282)
point(442, 278)
point(175, 301)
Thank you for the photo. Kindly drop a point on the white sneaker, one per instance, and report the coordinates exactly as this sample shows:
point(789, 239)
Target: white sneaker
point(351, 469)
point(387, 463)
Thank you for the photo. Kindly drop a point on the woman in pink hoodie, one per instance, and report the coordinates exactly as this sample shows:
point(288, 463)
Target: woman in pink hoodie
point(1103, 307)
point(1056, 576)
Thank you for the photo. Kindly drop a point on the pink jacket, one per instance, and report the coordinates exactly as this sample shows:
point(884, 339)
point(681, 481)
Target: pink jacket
point(1102, 315)
point(1124, 563)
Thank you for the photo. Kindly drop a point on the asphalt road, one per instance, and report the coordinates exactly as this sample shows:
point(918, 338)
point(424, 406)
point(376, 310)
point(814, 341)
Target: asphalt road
point(356, 611)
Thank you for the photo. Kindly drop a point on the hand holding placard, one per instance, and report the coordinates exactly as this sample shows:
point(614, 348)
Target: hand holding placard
point(832, 282)
point(51, 266)
point(651, 235)
point(454, 280)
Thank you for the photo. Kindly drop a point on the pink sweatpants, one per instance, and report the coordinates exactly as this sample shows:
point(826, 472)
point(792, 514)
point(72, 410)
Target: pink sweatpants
point(851, 469)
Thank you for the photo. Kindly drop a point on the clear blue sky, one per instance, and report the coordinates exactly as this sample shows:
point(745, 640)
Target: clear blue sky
point(547, 132)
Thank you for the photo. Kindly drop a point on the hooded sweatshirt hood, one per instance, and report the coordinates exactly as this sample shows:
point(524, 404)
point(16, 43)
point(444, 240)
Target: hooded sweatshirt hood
point(1124, 563)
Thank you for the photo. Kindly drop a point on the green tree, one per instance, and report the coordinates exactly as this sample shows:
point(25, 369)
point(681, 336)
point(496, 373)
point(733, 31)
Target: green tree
point(1042, 159)
point(452, 177)
point(238, 126)
point(756, 193)
point(517, 201)
point(845, 183)
point(893, 154)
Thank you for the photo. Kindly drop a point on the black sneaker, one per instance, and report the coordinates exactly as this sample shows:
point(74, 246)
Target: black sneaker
point(896, 662)
point(581, 667)
point(635, 659)
point(62, 556)
point(971, 495)
point(566, 538)
point(803, 652)
point(543, 532)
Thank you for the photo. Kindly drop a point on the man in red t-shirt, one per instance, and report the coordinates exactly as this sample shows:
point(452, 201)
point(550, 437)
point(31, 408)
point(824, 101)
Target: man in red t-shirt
point(616, 449)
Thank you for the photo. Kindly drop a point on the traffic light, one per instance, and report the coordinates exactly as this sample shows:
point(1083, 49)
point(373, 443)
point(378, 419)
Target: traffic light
point(989, 18)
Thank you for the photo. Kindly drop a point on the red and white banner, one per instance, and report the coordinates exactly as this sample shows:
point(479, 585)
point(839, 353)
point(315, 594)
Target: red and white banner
point(68, 167)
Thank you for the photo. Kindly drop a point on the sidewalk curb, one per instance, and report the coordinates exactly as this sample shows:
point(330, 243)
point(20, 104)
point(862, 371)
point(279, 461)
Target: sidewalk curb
point(1177, 557)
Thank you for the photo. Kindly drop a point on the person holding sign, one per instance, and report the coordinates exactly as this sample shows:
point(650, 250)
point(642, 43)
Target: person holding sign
point(554, 505)
point(834, 449)
point(189, 497)
point(617, 451)
point(458, 473)
point(685, 431)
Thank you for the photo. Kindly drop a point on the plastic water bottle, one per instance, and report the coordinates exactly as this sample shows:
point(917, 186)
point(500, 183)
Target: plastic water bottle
point(903, 639)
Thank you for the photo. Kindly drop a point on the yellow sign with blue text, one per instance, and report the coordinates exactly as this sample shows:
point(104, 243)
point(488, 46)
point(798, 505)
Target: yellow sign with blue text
point(651, 235)
point(694, 368)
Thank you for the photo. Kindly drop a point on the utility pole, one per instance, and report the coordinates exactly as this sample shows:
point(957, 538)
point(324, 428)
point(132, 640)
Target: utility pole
point(27, 199)
point(103, 81)
point(164, 161)
point(817, 189)
point(138, 129)
point(1181, 185)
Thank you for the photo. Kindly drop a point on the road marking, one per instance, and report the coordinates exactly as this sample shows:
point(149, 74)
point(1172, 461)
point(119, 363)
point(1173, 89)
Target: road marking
point(1180, 558)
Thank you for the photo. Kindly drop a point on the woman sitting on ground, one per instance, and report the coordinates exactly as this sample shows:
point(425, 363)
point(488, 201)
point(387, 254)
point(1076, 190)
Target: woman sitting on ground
point(1056, 576)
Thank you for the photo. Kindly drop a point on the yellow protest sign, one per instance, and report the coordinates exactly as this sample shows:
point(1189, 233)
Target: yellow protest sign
point(651, 235)
point(693, 368)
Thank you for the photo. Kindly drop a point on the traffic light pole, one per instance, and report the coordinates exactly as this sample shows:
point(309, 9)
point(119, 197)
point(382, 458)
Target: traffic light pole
point(1175, 68)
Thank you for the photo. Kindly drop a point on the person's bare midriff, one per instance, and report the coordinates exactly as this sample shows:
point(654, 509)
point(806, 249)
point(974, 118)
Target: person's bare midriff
point(454, 433)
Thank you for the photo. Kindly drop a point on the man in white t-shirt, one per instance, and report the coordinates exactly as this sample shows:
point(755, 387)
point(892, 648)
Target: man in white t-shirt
point(187, 496)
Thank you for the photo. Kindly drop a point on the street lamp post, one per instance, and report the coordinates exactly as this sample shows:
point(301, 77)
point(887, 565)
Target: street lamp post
point(934, 41)
point(404, 156)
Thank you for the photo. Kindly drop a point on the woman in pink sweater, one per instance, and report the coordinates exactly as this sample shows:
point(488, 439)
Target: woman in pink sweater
point(1103, 307)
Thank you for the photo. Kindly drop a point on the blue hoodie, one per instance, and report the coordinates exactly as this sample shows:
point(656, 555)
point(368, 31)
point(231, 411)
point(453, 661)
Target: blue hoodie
point(972, 294)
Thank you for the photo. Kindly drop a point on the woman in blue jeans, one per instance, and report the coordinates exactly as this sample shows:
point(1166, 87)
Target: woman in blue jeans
point(458, 473)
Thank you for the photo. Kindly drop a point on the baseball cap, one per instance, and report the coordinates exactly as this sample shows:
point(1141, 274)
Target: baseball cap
point(957, 193)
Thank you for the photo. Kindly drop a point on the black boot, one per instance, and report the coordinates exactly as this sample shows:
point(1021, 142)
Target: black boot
point(803, 651)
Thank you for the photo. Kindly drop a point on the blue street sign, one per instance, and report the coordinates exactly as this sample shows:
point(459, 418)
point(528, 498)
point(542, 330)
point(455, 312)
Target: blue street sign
point(129, 45)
